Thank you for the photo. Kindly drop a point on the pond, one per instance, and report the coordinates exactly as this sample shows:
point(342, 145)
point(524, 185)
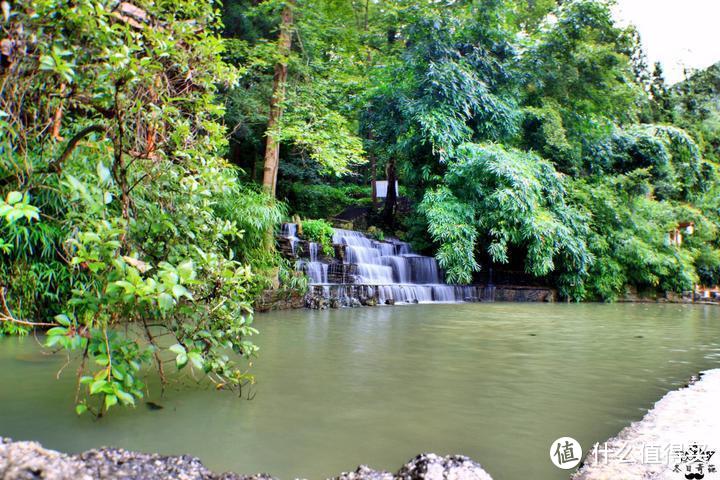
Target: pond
point(498, 382)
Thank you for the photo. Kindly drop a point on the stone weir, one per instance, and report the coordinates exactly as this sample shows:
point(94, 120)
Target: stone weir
point(367, 271)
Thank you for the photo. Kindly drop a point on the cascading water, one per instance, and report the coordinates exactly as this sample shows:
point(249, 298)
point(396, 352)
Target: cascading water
point(316, 271)
point(386, 270)
point(289, 231)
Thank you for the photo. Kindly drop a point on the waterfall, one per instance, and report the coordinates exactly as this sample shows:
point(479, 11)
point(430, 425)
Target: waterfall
point(316, 271)
point(289, 231)
point(388, 271)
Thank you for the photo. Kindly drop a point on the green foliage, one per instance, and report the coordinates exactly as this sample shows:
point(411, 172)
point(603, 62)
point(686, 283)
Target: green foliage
point(292, 280)
point(324, 71)
point(694, 104)
point(508, 197)
point(573, 94)
point(123, 209)
point(578, 72)
point(451, 85)
point(630, 240)
point(325, 201)
point(376, 233)
point(321, 232)
point(453, 225)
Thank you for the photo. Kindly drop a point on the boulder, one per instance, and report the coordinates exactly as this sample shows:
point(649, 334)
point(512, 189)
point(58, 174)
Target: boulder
point(30, 461)
point(429, 466)
point(316, 302)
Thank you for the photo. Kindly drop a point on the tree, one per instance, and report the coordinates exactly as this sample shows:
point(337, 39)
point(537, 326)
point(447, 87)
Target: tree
point(662, 108)
point(579, 77)
point(272, 148)
point(494, 198)
point(446, 84)
point(125, 211)
point(315, 65)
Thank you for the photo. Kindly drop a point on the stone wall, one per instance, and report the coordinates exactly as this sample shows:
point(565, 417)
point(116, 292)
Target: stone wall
point(321, 297)
point(524, 294)
point(279, 300)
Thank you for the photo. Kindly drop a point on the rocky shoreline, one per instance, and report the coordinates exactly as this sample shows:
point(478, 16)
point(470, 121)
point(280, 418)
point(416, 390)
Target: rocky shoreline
point(30, 461)
point(685, 422)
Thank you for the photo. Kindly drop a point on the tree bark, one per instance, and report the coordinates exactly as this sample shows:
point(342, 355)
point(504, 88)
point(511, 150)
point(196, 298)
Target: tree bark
point(373, 171)
point(391, 195)
point(272, 146)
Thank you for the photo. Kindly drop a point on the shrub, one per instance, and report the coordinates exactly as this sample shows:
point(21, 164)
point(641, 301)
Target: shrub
point(321, 232)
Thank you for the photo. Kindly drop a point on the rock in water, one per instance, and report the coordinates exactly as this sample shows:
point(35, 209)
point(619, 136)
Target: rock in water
point(368, 301)
point(429, 466)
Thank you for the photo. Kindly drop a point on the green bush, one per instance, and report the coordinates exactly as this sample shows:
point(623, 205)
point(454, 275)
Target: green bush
point(321, 232)
point(376, 233)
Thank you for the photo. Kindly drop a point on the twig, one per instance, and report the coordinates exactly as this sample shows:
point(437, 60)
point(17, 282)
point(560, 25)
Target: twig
point(57, 165)
point(80, 371)
point(161, 370)
point(7, 316)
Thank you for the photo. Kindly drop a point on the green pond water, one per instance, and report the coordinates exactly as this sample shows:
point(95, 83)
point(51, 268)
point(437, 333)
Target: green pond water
point(497, 382)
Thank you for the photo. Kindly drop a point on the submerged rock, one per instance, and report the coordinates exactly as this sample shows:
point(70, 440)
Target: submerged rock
point(316, 302)
point(30, 461)
point(369, 301)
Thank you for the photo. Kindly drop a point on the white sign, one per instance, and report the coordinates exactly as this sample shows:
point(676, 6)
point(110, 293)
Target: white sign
point(381, 187)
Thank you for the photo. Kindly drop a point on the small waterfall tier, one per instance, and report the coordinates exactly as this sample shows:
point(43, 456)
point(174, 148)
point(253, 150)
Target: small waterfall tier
point(362, 268)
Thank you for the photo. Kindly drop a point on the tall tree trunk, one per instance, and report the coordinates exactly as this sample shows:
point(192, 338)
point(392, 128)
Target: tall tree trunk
point(391, 195)
point(373, 170)
point(373, 181)
point(272, 147)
